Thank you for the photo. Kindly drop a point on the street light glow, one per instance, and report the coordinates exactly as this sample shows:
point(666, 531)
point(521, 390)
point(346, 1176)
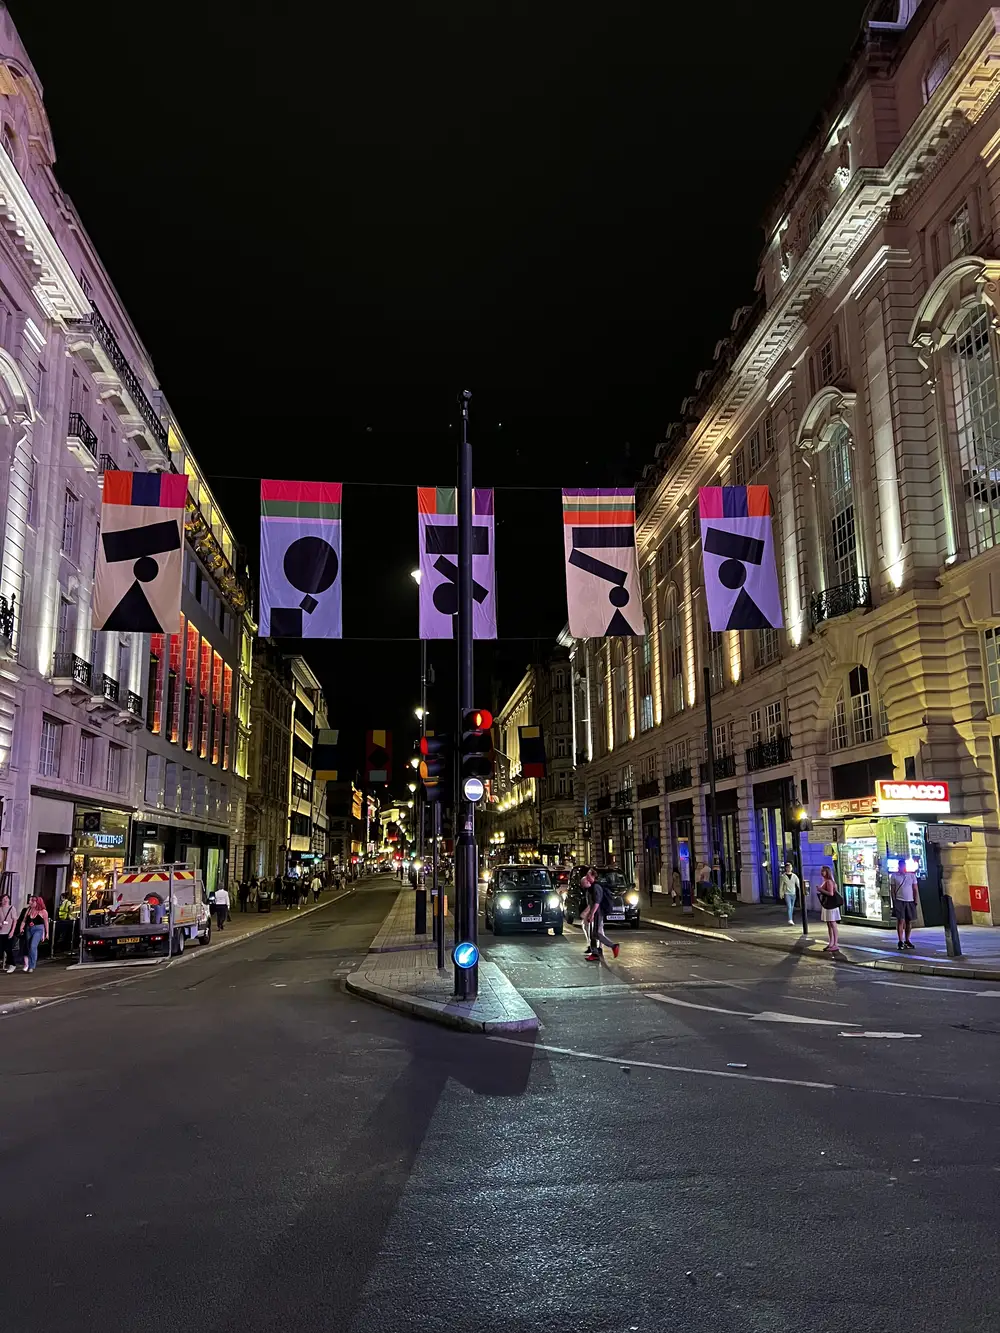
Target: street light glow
point(420, 713)
point(416, 575)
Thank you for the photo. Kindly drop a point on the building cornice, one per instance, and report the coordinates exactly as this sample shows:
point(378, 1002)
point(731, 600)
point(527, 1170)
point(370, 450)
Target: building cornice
point(964, 95)
point(56, 286)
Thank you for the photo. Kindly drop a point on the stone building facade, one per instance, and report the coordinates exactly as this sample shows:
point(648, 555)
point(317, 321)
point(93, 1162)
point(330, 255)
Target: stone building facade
point(862, 386)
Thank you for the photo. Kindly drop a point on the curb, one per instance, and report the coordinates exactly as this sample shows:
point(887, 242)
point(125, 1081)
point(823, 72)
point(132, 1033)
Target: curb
point(12, 1006)
point(873, 964)
point(450, 1016)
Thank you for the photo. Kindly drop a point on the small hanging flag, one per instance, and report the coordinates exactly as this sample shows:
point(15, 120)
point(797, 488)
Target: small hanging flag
point(378, 757)
point(531, 743)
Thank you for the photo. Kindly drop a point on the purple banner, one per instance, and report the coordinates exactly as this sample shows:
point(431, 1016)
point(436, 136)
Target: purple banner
point(437, 517)
point(300, 560)
point(741, 580)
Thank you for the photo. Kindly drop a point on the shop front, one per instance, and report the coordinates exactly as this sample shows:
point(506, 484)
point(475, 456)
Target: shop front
point(99, 844)
point(872, 838)
point(649, 820)
point(775, 842)
point(163, 844)
point(727, 811)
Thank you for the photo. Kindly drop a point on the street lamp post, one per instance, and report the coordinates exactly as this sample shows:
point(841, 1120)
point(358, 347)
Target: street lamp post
point(420, 893)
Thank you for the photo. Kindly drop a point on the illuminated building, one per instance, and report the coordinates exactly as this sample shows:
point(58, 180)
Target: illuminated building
point(85, 765)
point(861, 386)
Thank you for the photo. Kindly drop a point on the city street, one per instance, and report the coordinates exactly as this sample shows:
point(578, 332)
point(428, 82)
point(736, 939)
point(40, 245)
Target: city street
point(702, 1135)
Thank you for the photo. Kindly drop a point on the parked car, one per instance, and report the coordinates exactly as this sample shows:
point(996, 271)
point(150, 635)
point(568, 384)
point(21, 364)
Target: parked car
point(520, 897)
point(624, 908)
point(560, 879)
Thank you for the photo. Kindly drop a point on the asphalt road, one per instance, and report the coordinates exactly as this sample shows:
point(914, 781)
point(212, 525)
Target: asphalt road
point(235, 1145)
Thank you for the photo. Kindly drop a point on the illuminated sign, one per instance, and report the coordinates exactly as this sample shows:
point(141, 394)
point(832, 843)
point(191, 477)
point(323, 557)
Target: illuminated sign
point(859, 805)
point(916, 798)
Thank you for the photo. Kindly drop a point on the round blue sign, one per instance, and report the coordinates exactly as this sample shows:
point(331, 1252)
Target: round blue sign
point(465, 955)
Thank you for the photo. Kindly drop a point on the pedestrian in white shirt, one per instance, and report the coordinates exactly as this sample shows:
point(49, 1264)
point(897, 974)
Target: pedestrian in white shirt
point(788, 887)
point(904, 906)
point(221, 907)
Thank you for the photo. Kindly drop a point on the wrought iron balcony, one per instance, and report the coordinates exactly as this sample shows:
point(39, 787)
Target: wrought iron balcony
point(106, 463)
point(677, 780)
point(109, 689)
point(647, 789)
point(853, 596)
point(96, 322)
point(67, 666)
point(79, 429)
point(725, 767)
point(8, 617)
point(133, 703)
point(623, 796)
point(767, 754)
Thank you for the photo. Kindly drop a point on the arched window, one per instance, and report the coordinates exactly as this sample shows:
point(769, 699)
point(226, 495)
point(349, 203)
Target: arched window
point(841, 533)
point(975, 420)
point(856, 719)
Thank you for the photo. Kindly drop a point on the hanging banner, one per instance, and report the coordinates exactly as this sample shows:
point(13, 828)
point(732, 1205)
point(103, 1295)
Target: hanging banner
point(378, 757)
point(437, 517)
point(325, 755)
point(140, 557)
point(531, 743)
point(602, 574)
point(741, 580)
point(300, 560)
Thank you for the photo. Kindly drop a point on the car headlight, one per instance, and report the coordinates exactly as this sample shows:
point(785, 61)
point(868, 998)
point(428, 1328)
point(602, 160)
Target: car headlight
point(632, 899)
point(554, 901)
point(505, 903)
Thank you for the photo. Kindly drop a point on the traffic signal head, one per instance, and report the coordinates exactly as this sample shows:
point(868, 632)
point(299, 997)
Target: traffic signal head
point(477, 744)
point(433, 764)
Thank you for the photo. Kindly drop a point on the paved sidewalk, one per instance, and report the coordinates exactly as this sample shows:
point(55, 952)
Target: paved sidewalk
point(401, 972)
point(765, 926)
point(61, 977)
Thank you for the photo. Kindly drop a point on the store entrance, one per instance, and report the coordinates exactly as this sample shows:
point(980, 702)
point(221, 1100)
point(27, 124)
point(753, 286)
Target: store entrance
point(650, 816)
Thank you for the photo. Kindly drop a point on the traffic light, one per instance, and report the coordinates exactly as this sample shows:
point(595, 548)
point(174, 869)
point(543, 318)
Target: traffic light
point(433, 764)
point(477, 744)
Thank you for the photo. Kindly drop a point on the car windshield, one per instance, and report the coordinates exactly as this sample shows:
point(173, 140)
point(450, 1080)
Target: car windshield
point(514, 877)
point(613, 880)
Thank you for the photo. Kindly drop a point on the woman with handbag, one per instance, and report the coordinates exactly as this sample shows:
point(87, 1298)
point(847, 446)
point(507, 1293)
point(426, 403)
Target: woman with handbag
point(8, 920)
point(35, 929)
point(830, 903)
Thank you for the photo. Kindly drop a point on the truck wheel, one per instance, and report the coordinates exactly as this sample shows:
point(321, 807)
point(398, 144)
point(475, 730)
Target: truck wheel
point(178, 942)
point(206, 938)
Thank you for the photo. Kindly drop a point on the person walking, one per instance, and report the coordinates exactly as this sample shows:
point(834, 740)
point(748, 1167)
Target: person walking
point(221, 907)
point(703, 879)
point(316, 886)
point(243, 893)
point(904, 905)
point(34, 925)
point(302, 888)
point(829, 901)
point(8, 920)
point(593, 913)
point(788, 887)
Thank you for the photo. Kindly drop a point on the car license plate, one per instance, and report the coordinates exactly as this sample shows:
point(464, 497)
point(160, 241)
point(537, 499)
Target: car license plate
point(132, 939)
point(531, 918)
point(616, 916)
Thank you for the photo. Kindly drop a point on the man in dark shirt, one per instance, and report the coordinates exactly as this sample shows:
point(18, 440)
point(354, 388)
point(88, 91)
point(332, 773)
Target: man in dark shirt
point(593, 915)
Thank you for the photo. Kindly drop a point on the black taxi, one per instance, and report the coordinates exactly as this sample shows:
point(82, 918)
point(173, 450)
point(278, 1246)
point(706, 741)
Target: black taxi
point(522, 897)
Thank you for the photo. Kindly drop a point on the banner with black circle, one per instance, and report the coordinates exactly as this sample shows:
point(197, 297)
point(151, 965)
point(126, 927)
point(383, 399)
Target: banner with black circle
point(300, 594)
point(437, 517)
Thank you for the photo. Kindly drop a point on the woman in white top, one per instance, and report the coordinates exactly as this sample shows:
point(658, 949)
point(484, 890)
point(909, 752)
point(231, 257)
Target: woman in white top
point(831, 915)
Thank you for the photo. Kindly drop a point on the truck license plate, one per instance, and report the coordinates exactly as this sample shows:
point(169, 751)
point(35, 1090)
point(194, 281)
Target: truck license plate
point(132, 939)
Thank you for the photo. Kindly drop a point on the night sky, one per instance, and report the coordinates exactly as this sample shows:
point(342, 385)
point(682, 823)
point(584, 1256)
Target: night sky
point(325, 224)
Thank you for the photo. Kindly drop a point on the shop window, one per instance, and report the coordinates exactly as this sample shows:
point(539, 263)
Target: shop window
point(975, 411)
point(50, 748)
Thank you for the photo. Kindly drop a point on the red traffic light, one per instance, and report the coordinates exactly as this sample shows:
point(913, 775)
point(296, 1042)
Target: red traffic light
point(479, 719)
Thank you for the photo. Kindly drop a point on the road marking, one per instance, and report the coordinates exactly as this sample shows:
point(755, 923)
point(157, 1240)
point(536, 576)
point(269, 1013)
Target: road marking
point(767, 1016)
point(912, 985)
point(882, 1034)
point(669, 1069)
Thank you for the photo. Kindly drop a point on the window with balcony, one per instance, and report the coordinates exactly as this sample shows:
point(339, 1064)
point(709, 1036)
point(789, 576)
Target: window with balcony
point(975, 420)
point(841, 535)
point(50, 747)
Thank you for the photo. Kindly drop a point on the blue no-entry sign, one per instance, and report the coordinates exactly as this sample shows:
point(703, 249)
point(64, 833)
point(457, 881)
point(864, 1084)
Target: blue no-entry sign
point(465, 955)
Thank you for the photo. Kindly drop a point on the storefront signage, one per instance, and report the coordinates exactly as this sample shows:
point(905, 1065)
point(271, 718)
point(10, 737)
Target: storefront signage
point(858, 805)
point(822, 833)
point(108, 839)
point(912, 798)
point(948, 832)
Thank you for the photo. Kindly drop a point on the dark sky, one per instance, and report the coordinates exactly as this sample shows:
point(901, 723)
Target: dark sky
point(325, 220)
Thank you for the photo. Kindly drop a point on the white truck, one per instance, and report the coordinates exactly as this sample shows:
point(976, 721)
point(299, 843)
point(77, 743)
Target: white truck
point(147, 910)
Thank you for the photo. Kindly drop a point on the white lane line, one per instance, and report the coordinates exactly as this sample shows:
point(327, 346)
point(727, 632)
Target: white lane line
point(767, 1016)
point(912, 985)
point(670, 1069)
point(890, 1035)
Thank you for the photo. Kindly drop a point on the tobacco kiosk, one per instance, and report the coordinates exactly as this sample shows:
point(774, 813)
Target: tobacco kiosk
point(870, 838)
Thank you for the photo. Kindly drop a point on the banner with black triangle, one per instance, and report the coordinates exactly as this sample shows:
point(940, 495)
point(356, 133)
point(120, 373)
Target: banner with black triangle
point(602, 572)
point(741, 579)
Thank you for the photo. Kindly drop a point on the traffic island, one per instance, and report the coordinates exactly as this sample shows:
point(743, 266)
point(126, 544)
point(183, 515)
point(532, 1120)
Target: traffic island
point(401, 972)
